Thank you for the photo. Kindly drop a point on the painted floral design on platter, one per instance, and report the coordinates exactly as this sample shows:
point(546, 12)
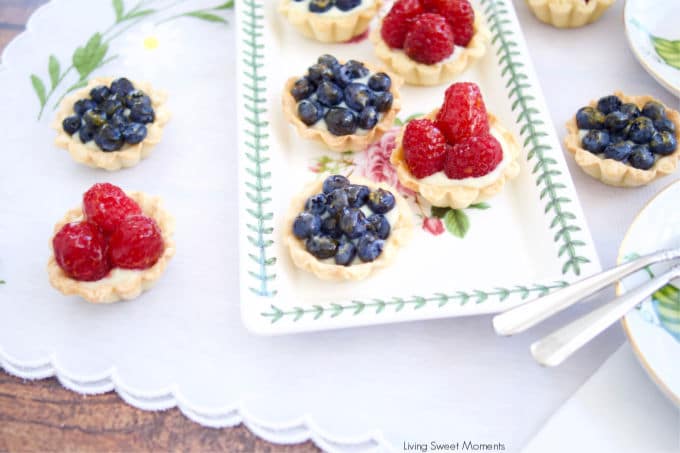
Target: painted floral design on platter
point(667, 50)
point(374, 164)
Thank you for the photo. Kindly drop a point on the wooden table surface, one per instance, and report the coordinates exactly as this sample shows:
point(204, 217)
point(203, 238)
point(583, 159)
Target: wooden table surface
point(43, 416)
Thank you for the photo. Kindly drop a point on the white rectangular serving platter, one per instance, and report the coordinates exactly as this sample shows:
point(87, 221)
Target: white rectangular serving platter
point(531, 239)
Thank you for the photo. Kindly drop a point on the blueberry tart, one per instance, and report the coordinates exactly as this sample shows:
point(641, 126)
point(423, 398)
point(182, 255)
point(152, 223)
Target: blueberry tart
point(113, 247)
point(346, 229)
point(345, 106)
point(457, 155)
point(625, 141)
point(111, 123)
point(568, 13)
point(330, 20)
point(430, 42)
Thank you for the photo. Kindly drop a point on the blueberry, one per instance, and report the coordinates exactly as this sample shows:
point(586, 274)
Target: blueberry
point(641, 157)
point(310, 111)
point(316, 204)
point(108, 138)
point(341, 121)
point(94, 118)
point(381, 201)
point(619, 151)
point(369, 247)
point(663, 143)
point(664, 125)
point(134, 133)
point(368, 118)
point(616, 121)
point(118, 120)
point(137, 97)
point(322, 247)
point(378, 224)
point(302, 89)
point(318, 72)
point(631, 110)
point(383, 101)
point(334, 182)
point(379, 82)
point(654, 110)
point(86, 134)
point(356, 69)
point(608, 104)
point(320, 6)
point(328, 93)
point(122, 87)
point(353, 222)
point(589, 118)
point(336, 200)
point(328, 60)
point(306, 225)
point(357, 195)
point(100, 93)
point(71, 124)
point(345, 254)
point(641, 130)
point(617, 137)
point(342, 76)
point(596, 141)
point(330, 226)
point(346, 5)
point(83, 105)
point(141, 113)
point(111, 106)
point(358, 96)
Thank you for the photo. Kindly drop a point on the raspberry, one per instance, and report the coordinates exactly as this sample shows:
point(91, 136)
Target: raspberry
point(463, 113)
point(106, 205)
point(424, 148)
point(398, 22)
point(474, 157)
point(429, 40)
point(80, 251)
point(460, 16)
point(136, 244)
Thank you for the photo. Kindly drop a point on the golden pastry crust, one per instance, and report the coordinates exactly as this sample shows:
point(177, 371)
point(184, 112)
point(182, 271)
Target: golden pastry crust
point(400, 234)
point(129, 155)
point(435, 74)
point(458, 196)
point(613, 172)
point(342, 143)
point(120, 284)
point(328, 28)
point(568, 13)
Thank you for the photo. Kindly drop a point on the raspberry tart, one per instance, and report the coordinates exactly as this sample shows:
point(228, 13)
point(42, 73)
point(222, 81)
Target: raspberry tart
point(111, 248)
point(346, 229)
point(457, 155)
point(345, 106)
point(429, 42)
point(625, 141)
point(330, 20)
point(111, 123)
point(568, 13)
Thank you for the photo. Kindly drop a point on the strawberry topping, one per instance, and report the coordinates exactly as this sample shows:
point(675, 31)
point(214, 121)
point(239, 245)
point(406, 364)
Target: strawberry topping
point(463, 114)
point(136, 244)
point(425, 148)
point(107, 205)
point(398, 21)
point(460, 16)
point(80, 251)
point(429, 40)
point(474, 157)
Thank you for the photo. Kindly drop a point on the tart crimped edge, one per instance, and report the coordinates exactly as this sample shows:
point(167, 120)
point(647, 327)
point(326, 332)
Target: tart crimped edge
point(570, 14)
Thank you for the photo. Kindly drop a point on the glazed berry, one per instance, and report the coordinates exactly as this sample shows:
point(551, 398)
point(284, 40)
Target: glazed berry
point(316, 204)
point(459, 15)
point(100, 93)
point(306, 224)
point(631, 110)
point(383, 101)
point(71, 124)
point(109, 138)
point(319, 72)
point(346, 5)
point(83, 105)
point(641, 130)
point(596, 141)
point(320, 6)
point(357, 195)
point(336, 201)
point(398, 21)
point(346, 253)
point(429, 40)
point(379, 82)
point(589, 118)
point(111, 106)
point(81, 252)
point(328, 60)
point(663, 143)
point(141, 113)
point(358, 96)
point(122, 87)
point(356, 69)
point(302, 89)
point(342, 76)
point(616, 121)
point(136, 97)
point(134, 133)
point(381, 201)
point(107, 205)
point(86, 134)
point(341, 121)
point(137, 243)
point(353, 222)
point(328, 93)
point(654, 110)
point(619, 151)
point(309, 111)
point(118, 120)
point(664, 125)
point(425, 148)
point(322, 247)
point(641, 157)
point(378, 224)
point(609, 104)
point(369, 247)
point(463, 113)
point(330, 226)
point(334, 182)
point(474, 157)
point(368, 118)
point(94, 118)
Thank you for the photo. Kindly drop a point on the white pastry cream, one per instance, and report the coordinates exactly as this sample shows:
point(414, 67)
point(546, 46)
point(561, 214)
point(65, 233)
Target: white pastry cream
point(334, 11)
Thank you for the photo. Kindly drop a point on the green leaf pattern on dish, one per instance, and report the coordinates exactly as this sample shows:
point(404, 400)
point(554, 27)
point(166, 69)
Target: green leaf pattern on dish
point(669, 51)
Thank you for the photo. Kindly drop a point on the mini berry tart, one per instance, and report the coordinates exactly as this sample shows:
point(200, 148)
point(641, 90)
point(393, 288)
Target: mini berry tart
point(457, 155)
point(346, 229)
point(111, 248)
point(346, 106)
point(568, 13)
point(111, 123)
point(625, 141)
point(429, 42)
point(330, 20)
